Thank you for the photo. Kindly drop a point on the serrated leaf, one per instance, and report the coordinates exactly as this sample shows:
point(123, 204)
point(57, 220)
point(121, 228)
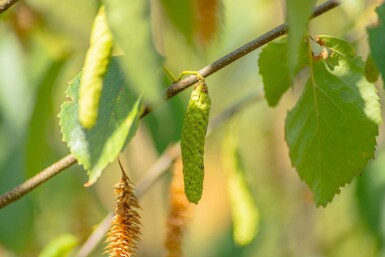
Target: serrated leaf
point(130, 24)
point(298, 14)
point(274, 68)
point(376, 36)
point(117, 122)
point(331, 132)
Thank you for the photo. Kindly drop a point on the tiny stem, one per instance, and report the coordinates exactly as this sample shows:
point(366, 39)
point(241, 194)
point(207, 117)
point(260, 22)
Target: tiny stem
point(187, 72)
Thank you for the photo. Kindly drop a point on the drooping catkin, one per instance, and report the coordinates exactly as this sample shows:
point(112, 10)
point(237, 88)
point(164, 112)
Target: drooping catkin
point(209, 13)
point(95, 66)
point(179, 213)
point(124, 234)
point(193, 141)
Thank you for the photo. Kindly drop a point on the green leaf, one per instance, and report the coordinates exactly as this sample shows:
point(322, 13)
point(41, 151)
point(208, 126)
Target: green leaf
point(298, 14)
point(274, 68)
point(117, 122)
point(182, 15)
point(129, 22)
point(377, 41)
point(331, 132)
point(371, 71)
point(60, 246)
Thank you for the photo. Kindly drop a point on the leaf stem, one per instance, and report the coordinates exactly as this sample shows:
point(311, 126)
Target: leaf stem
point(22, 189)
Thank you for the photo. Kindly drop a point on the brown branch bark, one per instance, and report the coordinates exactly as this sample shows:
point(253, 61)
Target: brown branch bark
point(171, 91)
point(5, 4)
point(282, 29)
point(36, 180)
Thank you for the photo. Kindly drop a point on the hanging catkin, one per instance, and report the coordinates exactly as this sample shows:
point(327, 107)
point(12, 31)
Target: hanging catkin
point(179, 213)
point(193, 141)
point(124, 234)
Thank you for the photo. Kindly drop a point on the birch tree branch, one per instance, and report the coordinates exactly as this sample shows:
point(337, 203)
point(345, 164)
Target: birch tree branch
point(171, 91)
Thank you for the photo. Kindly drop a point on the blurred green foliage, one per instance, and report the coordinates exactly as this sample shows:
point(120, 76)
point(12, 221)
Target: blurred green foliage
point(42, 47)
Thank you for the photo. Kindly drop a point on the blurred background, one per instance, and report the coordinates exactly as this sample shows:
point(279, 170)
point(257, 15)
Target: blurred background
point(42, 47)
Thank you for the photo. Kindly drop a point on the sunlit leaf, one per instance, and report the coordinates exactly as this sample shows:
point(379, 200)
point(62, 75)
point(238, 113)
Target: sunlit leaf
point(117, 122)
point(298, 14)
point(274, 68)
point(130, 24)
point(331, 132)
point(377, 41)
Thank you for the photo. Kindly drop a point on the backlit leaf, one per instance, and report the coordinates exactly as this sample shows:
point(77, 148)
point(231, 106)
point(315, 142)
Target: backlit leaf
point(117, 122)
point(331, 132)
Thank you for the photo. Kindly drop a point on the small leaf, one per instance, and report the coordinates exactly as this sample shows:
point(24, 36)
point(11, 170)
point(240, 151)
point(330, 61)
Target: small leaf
point(60, 246)
point(274, 68)
point(331, 132)
point(95, 66)
point(130, 21)
point(371, 71)
point(377, 41)
point(117, 122)
point(298, 14)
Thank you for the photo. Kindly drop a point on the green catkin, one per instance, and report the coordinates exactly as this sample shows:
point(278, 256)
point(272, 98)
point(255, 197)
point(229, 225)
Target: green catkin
point(95, 66)
point(193, 141)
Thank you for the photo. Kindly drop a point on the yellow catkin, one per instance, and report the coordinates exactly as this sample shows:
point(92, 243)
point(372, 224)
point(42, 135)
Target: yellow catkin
point(95, 66)
point(124, 234)
point(179, 214)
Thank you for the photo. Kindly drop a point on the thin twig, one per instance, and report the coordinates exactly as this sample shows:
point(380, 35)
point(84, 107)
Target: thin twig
point(282, 29)
point(5, 4)
point(174, 89)
point(159, 168)
point(36, 180)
